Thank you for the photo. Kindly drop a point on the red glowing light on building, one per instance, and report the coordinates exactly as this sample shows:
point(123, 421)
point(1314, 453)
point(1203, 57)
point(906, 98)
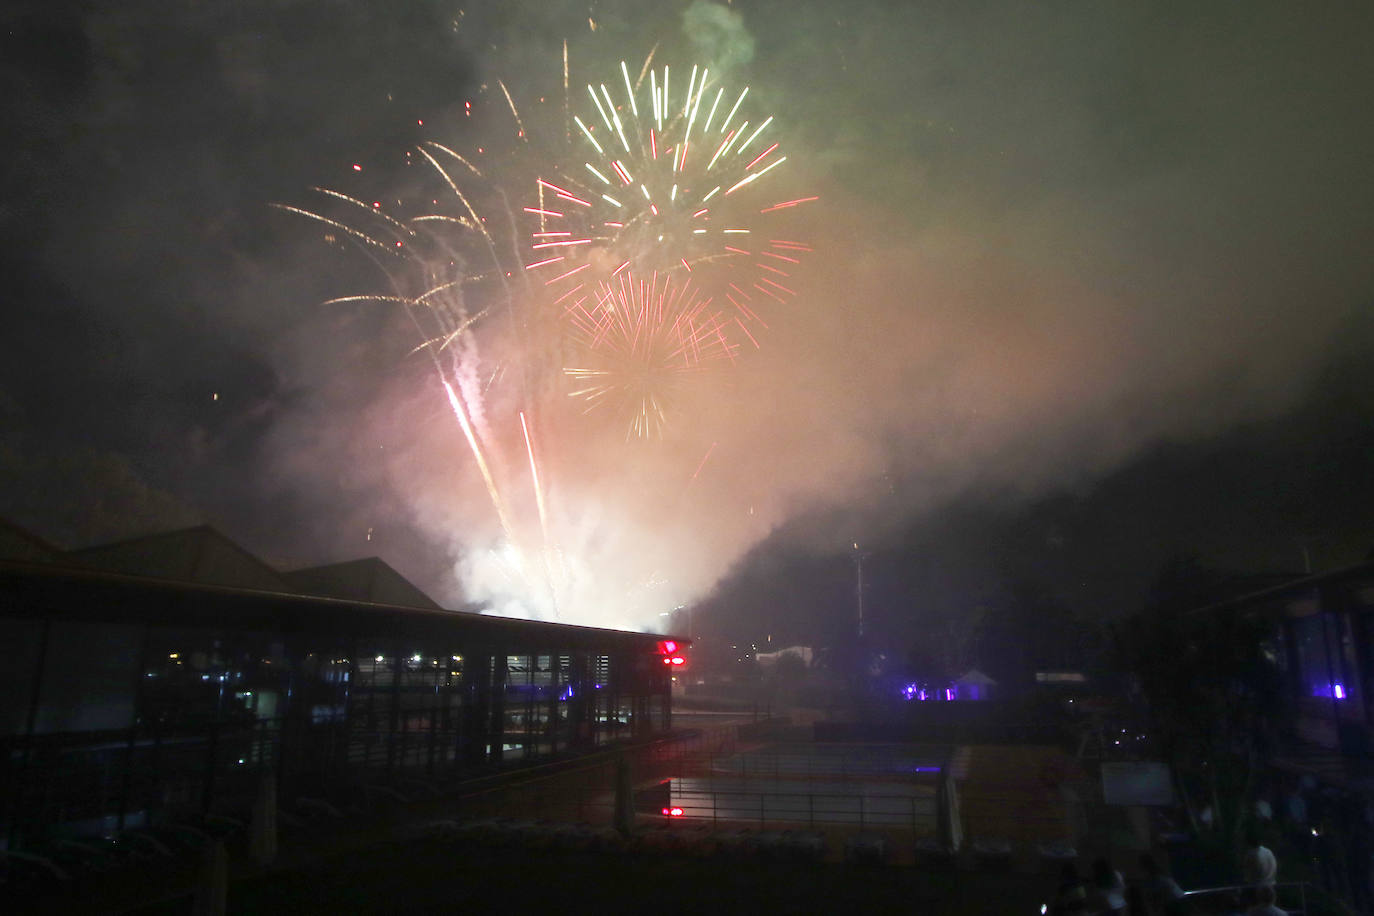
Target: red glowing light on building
point(670, 651)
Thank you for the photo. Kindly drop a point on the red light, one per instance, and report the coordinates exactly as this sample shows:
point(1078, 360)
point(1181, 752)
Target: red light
point(673, 812)
point(669, 647)
point(678, 660)
point(667, 661)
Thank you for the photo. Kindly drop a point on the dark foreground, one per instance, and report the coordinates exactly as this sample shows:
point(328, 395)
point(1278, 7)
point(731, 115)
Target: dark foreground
point(419, 876)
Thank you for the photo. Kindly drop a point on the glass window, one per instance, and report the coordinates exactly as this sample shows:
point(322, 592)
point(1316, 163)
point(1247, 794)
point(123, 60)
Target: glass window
point(1316, 647)
point(85, 690)
point(21, 638)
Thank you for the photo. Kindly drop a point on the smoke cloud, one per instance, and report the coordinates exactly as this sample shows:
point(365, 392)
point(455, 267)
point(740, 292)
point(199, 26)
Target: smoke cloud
point(718, 36)
point(1046, 239)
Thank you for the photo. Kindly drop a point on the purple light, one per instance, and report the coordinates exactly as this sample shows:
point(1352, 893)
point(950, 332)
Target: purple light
point(909, 691)
point(915, 691)
point(1332, 690)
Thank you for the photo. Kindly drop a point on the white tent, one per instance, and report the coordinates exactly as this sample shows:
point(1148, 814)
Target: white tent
point(768, 659)
point(974, 685)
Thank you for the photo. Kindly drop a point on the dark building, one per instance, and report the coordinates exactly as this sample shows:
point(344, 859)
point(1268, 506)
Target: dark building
point(159, 679)
point(1323, 647)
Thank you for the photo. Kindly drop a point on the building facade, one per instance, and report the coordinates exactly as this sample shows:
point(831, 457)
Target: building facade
point(1324, 650)
point(133, 699)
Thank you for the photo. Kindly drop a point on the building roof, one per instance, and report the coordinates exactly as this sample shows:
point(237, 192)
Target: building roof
point(21, 544)
point(369, 579)
point(1360, 573)
point(50, 591)
point(199, 554)
point(197, 577)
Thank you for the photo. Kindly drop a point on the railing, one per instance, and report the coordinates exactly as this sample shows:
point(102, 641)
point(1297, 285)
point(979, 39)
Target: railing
point(918, 813)
point(122, 774)
point(830, 762)
point(1241, 891)
point(583, 790)
point(962, 723)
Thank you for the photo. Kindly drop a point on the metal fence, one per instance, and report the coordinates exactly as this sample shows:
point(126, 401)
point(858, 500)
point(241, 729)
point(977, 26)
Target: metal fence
point(769, 809)
point(703, 777)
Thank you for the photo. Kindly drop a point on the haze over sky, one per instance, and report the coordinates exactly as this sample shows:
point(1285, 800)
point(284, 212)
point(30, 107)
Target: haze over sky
point(1091, 276)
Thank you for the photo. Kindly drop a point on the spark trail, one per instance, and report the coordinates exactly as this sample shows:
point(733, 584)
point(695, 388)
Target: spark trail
point(435, 262)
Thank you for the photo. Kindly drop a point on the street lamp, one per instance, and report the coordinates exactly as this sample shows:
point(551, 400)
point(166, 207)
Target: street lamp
point(688, 610)
point(859, 585)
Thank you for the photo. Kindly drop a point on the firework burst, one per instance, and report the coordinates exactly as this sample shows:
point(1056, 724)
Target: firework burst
point(617, 283)
point(641, 339)
point(675, 183)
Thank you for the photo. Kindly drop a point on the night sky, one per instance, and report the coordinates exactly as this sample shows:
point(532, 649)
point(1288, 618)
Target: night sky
point(1091, 289)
